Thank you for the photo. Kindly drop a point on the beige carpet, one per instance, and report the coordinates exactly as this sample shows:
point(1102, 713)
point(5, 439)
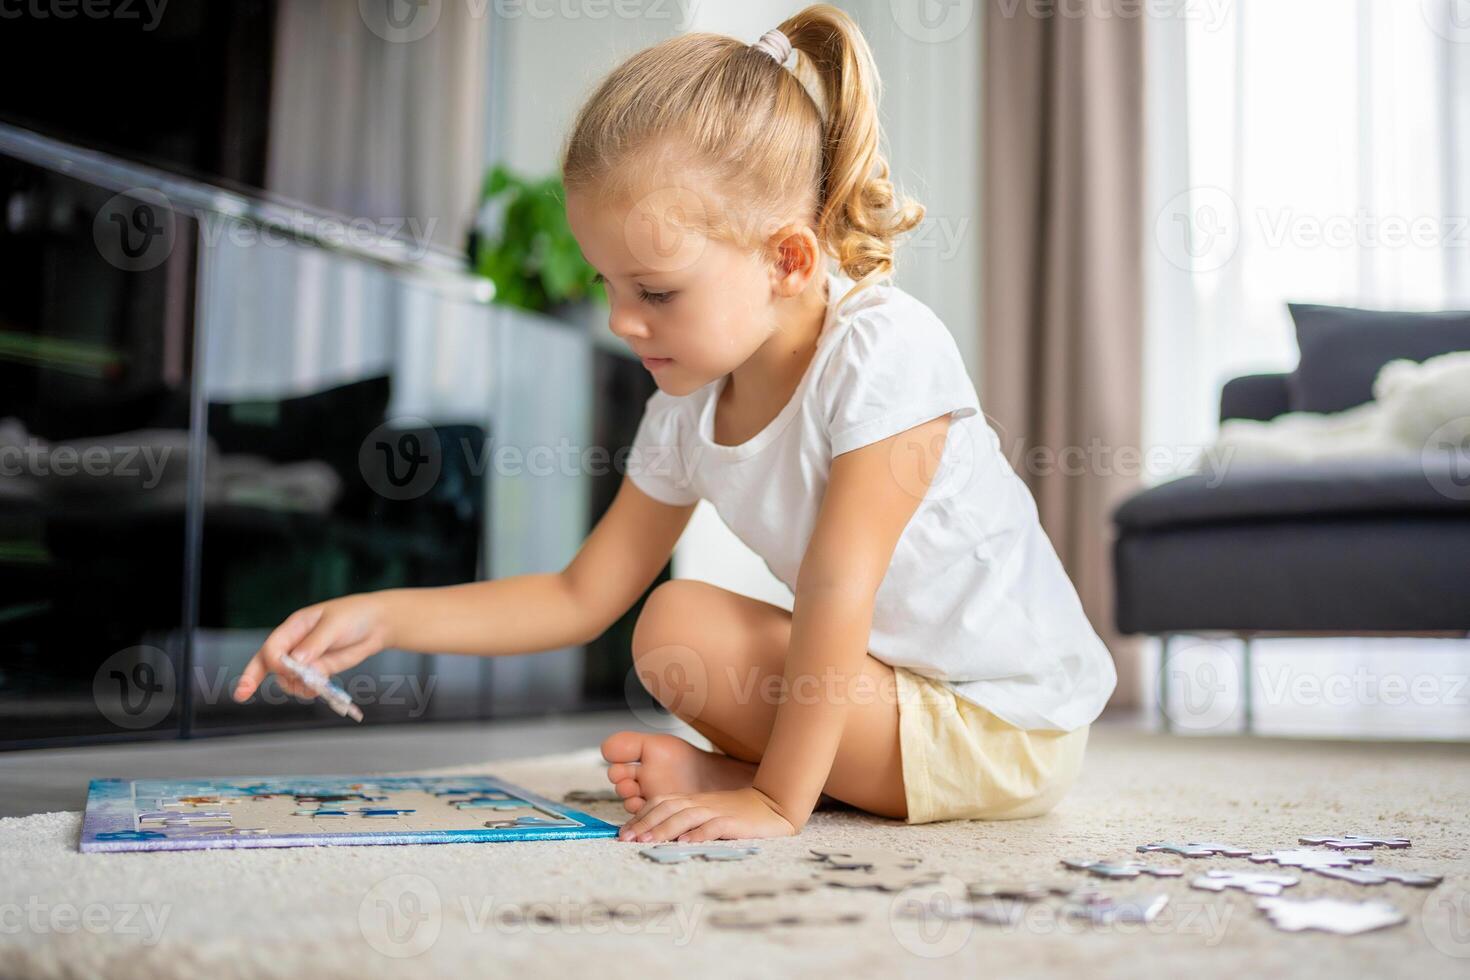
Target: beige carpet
point(316, 912)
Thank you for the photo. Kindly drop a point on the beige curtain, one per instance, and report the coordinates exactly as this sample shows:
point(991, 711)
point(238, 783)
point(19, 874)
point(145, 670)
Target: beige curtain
point(392, 131)
point(1062, 358)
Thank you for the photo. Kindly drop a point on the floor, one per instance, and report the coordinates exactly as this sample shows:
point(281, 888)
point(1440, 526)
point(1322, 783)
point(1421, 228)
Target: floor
point(448, 910)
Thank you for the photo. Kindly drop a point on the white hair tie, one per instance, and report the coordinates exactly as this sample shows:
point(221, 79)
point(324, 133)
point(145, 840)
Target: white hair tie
point(776, 44)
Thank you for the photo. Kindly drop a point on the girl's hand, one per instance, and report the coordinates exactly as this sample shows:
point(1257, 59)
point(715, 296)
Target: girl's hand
point(695, 817)
point(330, 636)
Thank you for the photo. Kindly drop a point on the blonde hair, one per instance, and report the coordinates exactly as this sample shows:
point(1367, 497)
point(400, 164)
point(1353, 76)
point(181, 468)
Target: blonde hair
point(802, 144)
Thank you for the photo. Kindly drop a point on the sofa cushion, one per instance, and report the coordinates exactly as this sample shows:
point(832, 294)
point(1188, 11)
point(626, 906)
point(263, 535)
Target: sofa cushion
point(1342, 350)
point(1409, 485)
point(1359, 573)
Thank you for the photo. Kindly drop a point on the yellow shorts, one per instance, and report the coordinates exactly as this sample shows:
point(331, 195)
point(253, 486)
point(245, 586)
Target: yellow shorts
point(960, 762)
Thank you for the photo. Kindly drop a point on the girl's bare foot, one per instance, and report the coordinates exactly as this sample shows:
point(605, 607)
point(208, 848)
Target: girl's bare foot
point(642, 766)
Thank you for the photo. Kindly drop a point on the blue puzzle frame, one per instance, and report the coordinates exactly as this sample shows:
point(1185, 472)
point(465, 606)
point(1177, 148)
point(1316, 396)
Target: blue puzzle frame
point(115, 807)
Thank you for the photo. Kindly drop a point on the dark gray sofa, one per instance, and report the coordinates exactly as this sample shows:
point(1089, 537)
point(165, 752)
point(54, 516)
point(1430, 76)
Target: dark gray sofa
point(1355, 547)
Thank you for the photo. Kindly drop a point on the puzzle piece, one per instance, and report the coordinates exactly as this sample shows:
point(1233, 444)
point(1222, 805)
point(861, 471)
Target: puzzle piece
point(1312, 859)
point(1251, 882)
point(758, 886)
point(1353, 842)
point(1023, 891)
point(679, 853)
point(1121, 869)
point(582, 913)
point(884, 879)
point(490, 803)
point(1329, 915)
point(1197, 849)
point(1104, 911)
point(747, 918)
point(861, 857)
point(941, 906)
point(1378, 876)
point(537, 821)
point(592, 796)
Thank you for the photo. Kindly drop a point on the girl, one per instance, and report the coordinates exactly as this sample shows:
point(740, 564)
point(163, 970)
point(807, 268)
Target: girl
point(937, 663)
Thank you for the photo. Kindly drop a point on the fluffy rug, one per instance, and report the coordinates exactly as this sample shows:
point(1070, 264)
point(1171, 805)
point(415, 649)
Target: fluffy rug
point(323, 912)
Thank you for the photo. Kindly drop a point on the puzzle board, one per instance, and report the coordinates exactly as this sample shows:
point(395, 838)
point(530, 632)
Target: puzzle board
point(302, 811)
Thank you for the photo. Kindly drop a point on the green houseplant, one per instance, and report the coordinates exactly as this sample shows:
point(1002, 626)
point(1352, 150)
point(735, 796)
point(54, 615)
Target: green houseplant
point(527, 248)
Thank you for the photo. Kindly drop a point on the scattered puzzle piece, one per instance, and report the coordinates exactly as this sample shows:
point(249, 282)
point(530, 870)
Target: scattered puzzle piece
point(1251, 882)
point(1198, 849)
point(758, 886)
point(1104, 911)
point(1121, 869)
point(884, 879)
point(941, 906)
point(584, 913)
point(679, 853)
point(747, 918)
point(860, 857)
point(1377, 876)
point(592, 796)
point(1353, 842)
point(1329, 915)
point(1311, 859)
point(1023, 891)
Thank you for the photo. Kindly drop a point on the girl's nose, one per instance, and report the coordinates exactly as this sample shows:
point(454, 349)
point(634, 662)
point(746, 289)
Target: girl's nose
point(624, 324)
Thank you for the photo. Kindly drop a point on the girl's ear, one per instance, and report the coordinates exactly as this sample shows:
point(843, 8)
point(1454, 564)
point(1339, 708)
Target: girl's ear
point(798, 257)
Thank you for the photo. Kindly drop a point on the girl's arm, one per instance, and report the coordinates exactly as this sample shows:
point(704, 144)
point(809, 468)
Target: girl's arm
point(517, 614)
point(872, 493)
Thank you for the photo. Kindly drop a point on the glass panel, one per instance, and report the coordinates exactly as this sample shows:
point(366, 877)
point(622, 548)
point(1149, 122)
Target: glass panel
point(95, 353)
point(349, 418)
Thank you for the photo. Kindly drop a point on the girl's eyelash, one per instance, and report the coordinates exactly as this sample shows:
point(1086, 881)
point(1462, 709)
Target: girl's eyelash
point(643, 294)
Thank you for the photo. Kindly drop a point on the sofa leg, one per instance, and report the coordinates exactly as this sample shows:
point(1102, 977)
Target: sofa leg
point(1164, 642)
point(1247, 675)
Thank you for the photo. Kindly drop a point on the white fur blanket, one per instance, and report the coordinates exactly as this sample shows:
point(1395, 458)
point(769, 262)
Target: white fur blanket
point(1417, 408)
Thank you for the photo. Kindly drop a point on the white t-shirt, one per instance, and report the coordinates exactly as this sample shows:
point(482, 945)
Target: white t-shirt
point(975, 594)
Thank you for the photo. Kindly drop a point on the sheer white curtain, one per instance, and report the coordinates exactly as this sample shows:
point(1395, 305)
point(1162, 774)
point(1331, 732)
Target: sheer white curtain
point(1299, 150)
